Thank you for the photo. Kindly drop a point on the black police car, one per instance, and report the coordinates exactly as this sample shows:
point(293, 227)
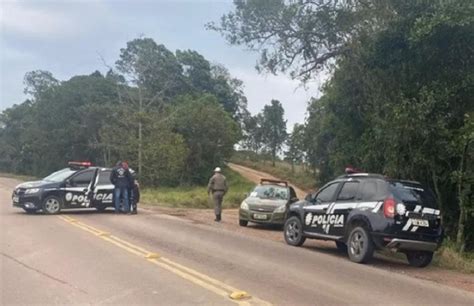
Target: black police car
point(78, 186)
point(362, 212)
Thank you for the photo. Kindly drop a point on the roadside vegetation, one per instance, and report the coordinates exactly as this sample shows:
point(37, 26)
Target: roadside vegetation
point(449, 257)
point(398, 100)
point(196, 196)
point(18, 176)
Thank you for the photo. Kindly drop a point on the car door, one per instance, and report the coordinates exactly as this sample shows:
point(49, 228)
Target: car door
point(78, 188)
point(103, 189)
point(345, 202)
point(315, 215)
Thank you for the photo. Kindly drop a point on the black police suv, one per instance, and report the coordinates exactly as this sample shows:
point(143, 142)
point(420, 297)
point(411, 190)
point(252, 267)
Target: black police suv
point(362, 212)
point(78, 186)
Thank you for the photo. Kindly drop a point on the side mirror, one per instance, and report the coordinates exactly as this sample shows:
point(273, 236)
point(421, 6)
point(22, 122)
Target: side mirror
point(309, 197)
point(68, 182)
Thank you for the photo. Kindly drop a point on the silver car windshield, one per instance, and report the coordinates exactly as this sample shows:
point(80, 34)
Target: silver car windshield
point(270, 192)
point(60, 175)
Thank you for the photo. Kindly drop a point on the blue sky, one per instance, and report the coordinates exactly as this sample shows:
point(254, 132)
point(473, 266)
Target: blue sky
point(67, 37)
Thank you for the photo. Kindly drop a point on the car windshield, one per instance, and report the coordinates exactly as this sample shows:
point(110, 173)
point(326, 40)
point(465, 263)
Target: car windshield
point(270, 192)
point(60, 175)
point(413, 193)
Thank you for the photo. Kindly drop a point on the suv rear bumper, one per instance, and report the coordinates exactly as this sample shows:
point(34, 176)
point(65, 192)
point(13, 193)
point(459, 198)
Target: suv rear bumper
point(411, 245)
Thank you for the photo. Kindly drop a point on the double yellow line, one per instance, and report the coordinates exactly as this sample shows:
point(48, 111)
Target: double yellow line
point(228, 292)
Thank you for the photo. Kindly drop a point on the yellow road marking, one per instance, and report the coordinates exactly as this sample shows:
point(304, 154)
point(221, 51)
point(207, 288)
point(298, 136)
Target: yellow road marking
point(207, 282)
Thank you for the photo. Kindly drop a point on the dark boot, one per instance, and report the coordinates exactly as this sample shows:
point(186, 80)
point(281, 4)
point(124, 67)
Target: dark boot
point(219, 218)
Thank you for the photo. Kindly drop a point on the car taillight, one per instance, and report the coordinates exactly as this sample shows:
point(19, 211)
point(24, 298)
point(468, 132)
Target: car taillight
point(389, 208)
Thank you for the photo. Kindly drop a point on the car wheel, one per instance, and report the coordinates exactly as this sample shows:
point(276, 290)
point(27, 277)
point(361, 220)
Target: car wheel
point(360, 247)
point(51, 205)
point(341, 246)
point(243, 222)
point(30, 210)
point(293, 231)
point(419, 259)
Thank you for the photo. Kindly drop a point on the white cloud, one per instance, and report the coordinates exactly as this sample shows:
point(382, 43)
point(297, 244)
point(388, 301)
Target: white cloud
point(261, 89)
point(50, 20)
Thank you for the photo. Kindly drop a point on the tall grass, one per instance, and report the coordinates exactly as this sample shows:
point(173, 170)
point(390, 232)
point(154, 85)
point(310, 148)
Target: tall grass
point(196, 196)
point(448, 257)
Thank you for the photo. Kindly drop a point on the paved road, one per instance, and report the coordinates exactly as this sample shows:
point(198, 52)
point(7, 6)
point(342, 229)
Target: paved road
point(91, 258)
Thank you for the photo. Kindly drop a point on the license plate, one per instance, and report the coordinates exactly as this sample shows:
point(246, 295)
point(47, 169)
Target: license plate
point(260, 216)
point(419, 222)
point(16, 199)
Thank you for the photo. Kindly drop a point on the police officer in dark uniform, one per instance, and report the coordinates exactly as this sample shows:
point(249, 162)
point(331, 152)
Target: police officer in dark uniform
point(121, 178)
point(218, 187)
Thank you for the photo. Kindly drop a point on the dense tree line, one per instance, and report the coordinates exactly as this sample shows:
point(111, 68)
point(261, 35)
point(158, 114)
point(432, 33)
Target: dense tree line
point(400, 97)
point(173, 116)
point(265, 133)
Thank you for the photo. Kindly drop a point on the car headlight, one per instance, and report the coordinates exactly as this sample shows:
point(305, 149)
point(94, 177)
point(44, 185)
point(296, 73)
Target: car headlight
point(244, 205)
point(32, 190)
point(280, 209)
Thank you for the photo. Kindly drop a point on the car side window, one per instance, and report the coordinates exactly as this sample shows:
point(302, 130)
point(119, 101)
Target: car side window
point(104, 178)
point(372, 190)
point(348, 191)
point(82, 179)
point(326, 194)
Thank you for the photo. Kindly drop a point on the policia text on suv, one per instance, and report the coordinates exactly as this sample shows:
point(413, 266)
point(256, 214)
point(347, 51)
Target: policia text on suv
point(362, 212)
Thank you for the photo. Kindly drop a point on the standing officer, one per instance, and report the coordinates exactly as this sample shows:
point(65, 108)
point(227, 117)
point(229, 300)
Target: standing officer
point(218, 187)
point(121, 178)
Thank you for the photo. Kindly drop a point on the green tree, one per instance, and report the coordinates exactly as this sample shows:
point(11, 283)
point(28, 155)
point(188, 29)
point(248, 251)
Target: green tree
point(154, 76)
point(273, 127)
point(209, 132)
point(296, 146)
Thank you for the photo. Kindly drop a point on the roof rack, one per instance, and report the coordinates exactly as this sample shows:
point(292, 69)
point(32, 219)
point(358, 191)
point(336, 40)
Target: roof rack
point(273, 181)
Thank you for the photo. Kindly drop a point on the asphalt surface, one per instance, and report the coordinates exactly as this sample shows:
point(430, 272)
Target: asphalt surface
point(90, 258)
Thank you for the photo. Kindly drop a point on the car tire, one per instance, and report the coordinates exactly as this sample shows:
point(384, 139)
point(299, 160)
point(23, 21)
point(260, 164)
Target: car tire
point(293, 231)
point(30, 211)
point(419, 259)
point(360, 247)
point(341, 246)
point(243, 222)
point(51, 205)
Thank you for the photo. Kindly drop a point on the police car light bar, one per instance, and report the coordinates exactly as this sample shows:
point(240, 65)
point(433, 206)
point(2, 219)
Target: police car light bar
point(352, 170)
point(271, 181)
point(80, 163)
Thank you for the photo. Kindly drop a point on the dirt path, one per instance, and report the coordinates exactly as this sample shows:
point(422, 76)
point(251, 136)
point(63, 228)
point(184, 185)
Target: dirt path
point(255, 176)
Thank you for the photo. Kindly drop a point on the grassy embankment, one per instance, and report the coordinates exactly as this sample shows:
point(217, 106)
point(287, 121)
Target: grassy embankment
point(196, 197)
point(300, 177)
point(447, 257)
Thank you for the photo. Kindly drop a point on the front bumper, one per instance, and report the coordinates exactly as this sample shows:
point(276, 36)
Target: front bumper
point(262, 217)
point(26, 202)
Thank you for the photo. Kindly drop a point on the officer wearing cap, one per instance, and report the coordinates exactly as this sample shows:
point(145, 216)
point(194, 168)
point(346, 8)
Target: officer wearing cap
point(218, 187)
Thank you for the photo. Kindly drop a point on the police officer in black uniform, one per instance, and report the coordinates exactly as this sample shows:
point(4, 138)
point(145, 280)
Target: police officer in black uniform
point(121, 178)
